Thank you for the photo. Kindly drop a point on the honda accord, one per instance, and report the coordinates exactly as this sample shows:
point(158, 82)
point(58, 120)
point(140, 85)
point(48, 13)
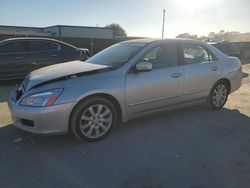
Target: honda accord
point(125, 81)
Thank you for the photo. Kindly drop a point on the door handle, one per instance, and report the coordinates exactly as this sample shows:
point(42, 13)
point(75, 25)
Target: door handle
point(53, 55)
point(34, 63)
point(214, 68)
point(176, 75)
point(19, 58)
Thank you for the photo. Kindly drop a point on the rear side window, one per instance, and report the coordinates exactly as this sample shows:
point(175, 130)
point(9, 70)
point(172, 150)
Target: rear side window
point(194, 53)
point(13, 47)
point(37, 46)
point(162, 56)
point(67, 48)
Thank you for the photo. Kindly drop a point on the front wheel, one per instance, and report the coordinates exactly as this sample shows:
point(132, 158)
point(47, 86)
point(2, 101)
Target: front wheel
point(218, 95)
point(93, 119)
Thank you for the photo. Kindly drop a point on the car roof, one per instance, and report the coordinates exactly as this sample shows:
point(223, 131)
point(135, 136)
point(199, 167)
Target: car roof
point(37, 38)
point(151, 40)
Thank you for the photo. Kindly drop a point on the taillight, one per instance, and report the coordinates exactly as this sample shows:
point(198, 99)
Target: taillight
point(240, 67)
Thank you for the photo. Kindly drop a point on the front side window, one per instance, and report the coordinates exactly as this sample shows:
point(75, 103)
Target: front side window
point(37, 46)
point(115, 56)
point(195, 54)
point(162, 56)
point(13, 47)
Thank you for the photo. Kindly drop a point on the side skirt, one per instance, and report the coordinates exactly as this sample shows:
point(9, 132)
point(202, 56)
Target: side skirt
point(169, 108)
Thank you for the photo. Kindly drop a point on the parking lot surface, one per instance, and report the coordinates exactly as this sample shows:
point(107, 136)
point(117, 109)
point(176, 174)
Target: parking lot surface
point(192, 148)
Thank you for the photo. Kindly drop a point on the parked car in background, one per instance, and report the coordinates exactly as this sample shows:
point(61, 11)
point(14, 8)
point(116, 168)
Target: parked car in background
point(245, 51)
point(124, 81)
point(19, 56)
point(230, 49)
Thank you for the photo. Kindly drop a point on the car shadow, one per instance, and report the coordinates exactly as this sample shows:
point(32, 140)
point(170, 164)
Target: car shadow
point(197, 115)
point(191, 138)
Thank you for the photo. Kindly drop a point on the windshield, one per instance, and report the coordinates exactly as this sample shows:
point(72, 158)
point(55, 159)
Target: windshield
point(116, 55)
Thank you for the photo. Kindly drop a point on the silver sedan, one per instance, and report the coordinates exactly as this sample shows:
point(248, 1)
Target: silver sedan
point(125, 81)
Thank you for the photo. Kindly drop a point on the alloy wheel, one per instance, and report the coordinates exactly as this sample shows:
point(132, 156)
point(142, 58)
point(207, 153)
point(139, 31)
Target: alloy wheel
point(95, 121)
point(219, 95)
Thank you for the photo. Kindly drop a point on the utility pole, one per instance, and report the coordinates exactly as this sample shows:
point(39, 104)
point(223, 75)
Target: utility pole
point(163, 23)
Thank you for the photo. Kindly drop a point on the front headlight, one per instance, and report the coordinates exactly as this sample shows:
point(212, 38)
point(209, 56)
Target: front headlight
point(45, 98)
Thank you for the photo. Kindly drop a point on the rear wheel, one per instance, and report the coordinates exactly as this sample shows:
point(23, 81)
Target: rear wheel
point(93, 119)
point(218, 95)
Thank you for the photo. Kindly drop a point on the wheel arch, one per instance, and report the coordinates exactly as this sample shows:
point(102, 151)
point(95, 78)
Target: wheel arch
point(106, 96)
point(225, 80)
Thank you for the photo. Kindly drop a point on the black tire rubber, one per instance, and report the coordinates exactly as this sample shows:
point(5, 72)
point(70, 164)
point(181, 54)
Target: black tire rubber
point(81, 107)
point(209, 100)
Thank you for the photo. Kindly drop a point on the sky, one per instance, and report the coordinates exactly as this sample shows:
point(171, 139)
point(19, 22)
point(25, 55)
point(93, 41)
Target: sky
point(139, 18)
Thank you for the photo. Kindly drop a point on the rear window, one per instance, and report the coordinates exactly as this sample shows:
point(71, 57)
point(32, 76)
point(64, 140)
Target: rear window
point(35, 46)
point(194, 53)
point(13, 47)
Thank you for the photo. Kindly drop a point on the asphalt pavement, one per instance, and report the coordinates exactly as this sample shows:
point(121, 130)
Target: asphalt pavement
point(188, 148)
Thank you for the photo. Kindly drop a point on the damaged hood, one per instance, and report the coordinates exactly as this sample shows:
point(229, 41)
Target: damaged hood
point(61, 71)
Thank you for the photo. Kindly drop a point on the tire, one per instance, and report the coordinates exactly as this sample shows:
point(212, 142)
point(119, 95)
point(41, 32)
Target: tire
point(93, 119)
point(218, 95)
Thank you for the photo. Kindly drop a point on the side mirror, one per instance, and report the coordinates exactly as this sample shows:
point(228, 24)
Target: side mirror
point(84, 55)
point(144, 66)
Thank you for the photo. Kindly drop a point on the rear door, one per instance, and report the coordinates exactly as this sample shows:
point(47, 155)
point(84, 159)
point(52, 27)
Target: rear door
point(13, 59)
point(201, 70)
point(43, 53)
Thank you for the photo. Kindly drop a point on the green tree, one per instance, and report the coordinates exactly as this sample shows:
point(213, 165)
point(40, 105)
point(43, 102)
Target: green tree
point(184, 35)
point(187, 36)
point(222, 35)
point(119, 31)
point(211, 35)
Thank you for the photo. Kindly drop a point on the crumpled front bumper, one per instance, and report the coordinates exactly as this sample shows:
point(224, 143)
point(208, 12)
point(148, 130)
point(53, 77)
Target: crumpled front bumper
point(42, 120)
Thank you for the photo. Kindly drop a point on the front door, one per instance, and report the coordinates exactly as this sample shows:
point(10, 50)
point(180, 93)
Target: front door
point(43, 53)
point(152, 90)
